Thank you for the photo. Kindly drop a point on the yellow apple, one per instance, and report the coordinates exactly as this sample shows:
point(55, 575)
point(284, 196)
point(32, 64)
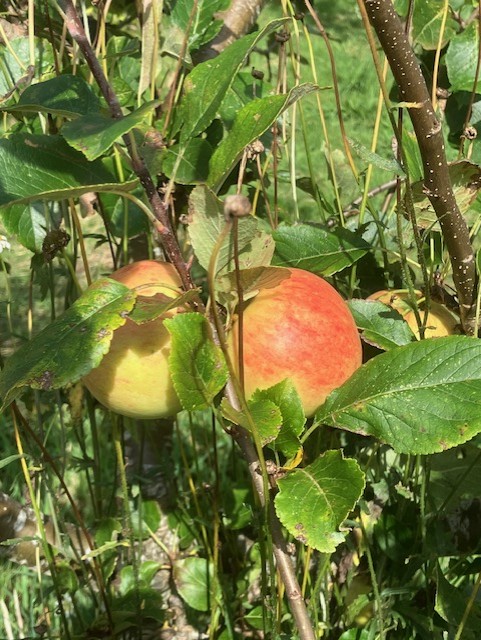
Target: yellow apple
point(299, 329)
point(133, 377)
point(440, 321)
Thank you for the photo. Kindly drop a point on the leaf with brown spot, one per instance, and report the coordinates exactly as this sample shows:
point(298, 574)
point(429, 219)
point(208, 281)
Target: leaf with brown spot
point(72, 345)
point(313, 502)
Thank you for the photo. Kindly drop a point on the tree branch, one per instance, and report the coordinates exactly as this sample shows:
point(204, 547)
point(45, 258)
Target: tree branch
point(237, 19)
point(164, 227)
point(437, 183)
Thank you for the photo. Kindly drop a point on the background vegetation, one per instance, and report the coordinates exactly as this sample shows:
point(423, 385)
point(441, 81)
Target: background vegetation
point(136, 529)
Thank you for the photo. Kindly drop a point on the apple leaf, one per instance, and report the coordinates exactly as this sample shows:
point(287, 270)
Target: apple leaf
point(16, 58)
point(207, 84)
point(451, 605)
point(27, 223)
point(64, 95)
point(424, 397)
point(251, 282)
point(189, 163)
point(251, 122)
point(462, 58)
point(380, 325)
point(284, 396)
point(313, 502)
point(317, 249)
point(40, 167)
point(93, 134)
point(207, 223)
point(454, 476)
point(72, 345)
point(194, 580)
point(466, 180)
point(148, 308)
point(264, 414)
point(196, 364)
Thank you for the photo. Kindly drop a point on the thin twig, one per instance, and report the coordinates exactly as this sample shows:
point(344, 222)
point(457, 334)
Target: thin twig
point(437, 182)
point(163, 226)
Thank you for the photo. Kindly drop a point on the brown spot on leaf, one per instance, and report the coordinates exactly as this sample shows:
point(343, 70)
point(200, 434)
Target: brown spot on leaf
point(45, 380)
point(102, 333)
point(444, 445)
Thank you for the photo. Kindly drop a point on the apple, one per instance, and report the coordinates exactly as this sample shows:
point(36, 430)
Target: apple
point(301, 329)
point(133, 377)
point(440, 321)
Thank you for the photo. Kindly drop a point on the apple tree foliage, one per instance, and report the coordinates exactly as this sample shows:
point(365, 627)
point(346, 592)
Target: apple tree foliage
point(418, 397)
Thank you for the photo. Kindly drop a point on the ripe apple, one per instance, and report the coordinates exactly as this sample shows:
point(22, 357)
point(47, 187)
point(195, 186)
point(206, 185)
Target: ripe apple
point(440, 321)
point(133, 377)
point(301, 329)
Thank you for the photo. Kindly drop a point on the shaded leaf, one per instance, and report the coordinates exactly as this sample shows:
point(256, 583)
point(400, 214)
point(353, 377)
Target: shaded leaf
point(317, 249)
point(466, 180)
point(462, 58)
point(313, 502)
point(189, 163)
point(250, 123)
point(451, 603)
point(36, 167)
point(203, 26)
point(72, 345)
point(148, 308)
point(284, 396)
point(64, 95)
point(196, 364)
point(423, 397)
point(207, 223)
point(428, 17)
point(93, 134)
point(380, 325)
point(195, 582)
point(27, 223)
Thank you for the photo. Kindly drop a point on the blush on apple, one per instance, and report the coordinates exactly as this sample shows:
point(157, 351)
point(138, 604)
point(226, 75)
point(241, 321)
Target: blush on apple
point(133, 378)
point(440, 321)
point(299, 329)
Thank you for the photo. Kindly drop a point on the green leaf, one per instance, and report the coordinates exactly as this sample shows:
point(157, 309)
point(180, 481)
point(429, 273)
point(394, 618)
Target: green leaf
point(196, 364)
point(317, 249)
point(38, 167)
point(93, 134)
point(466, 181)
point(255, 247)
point(423, 397)
point(250, 123)
point(72, 345)
point(284, 396)
point(195, 582)
point(454, 476)
point(149, 308)
point(207, 84)
point(380, 325)
point(451, 604)
point(427, 23)
point(313, 502)
point(65, 95)
point(265, 415)
point(251, 282)
point(16, 58)
point(189, 163)
point(462, 58)
point(387, 164)
point(197, 19)
point(27, 223)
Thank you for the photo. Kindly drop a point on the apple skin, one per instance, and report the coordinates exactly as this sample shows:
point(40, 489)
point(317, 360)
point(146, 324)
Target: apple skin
point(441, 322)
point(299, 329)
point(133, 377)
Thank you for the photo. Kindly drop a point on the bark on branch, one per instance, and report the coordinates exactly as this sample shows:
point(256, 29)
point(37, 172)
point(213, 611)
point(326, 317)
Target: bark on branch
point(437, 183)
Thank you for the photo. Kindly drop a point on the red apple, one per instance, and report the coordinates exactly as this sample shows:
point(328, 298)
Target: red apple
point(440, 321)
point(299, 329)
point(133, 377)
